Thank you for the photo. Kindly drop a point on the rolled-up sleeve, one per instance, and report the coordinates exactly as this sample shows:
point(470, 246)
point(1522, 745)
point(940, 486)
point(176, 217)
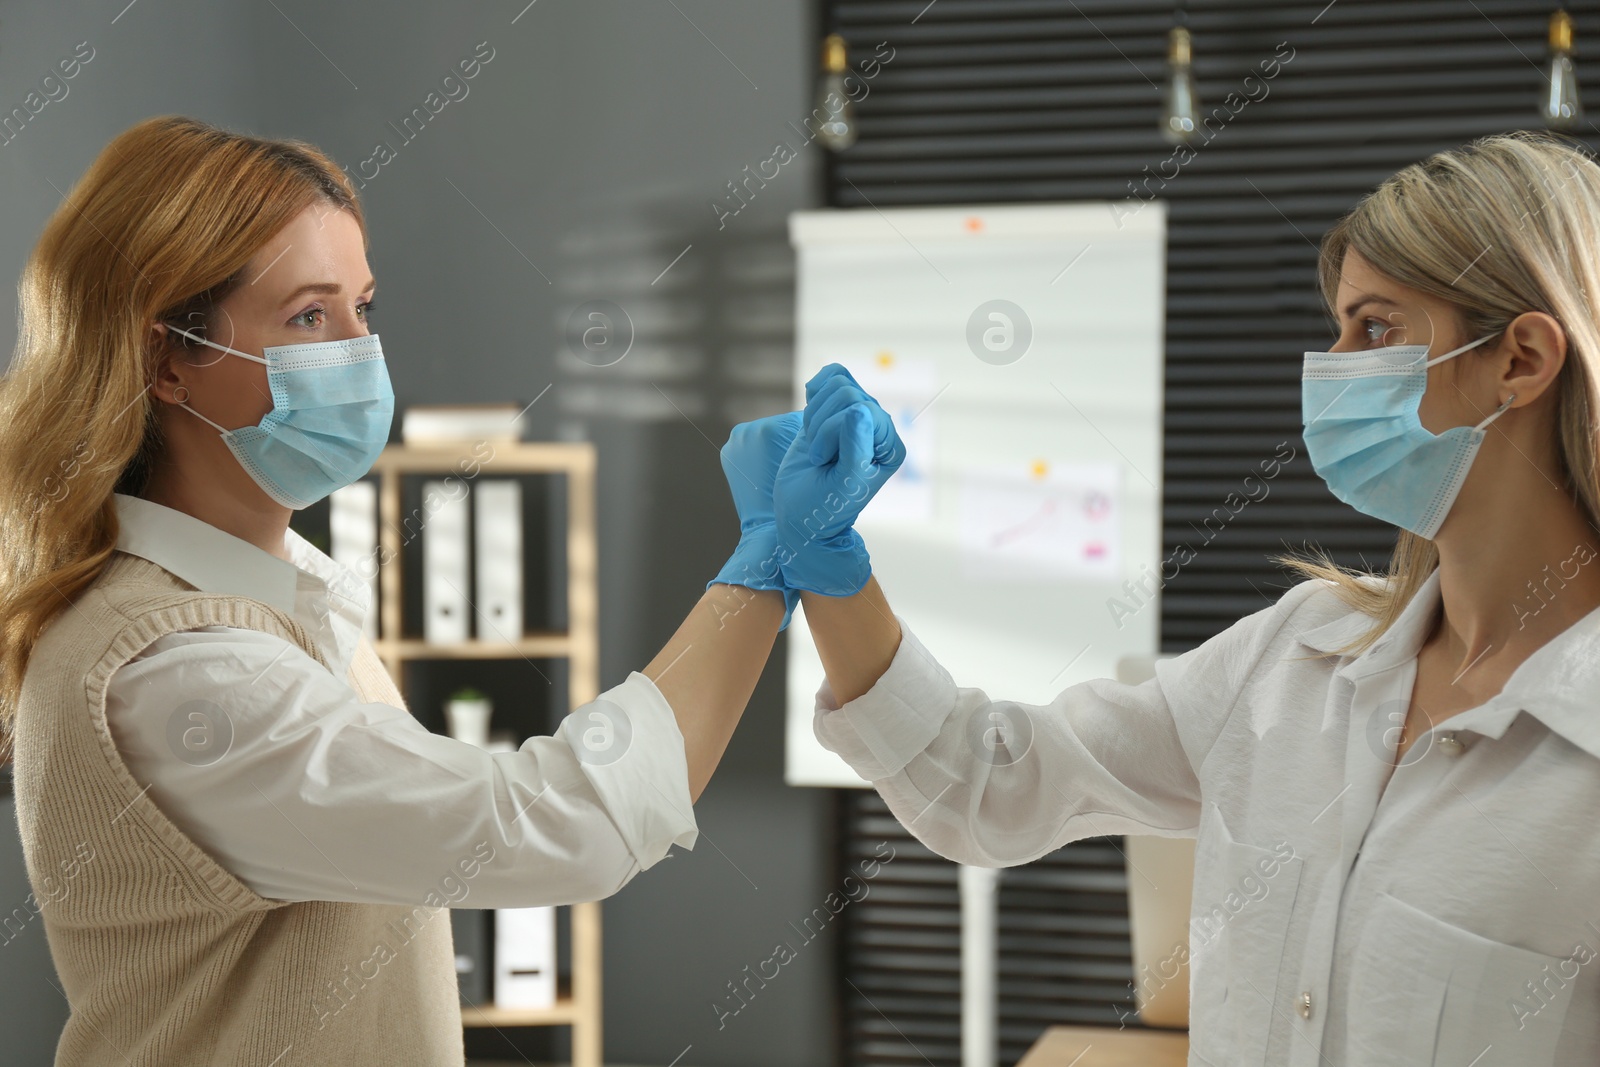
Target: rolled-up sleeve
point(645, 787)
point(994, 783)
point(314, 794)
point(880, 731)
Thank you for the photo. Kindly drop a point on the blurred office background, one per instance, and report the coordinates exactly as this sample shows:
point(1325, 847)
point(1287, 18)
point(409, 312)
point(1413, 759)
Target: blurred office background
point(588, 160)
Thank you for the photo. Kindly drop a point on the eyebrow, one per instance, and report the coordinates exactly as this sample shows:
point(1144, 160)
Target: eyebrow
point(1350, 309)
point(328, 288)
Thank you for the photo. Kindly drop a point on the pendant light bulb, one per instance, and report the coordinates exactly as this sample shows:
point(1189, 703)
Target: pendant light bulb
point(834, 110)
point(1181, 106)
point(1562, 107)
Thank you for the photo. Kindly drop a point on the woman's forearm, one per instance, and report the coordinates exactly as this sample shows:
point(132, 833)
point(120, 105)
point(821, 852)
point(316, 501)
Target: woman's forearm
point(709, 668)
point(856, 637)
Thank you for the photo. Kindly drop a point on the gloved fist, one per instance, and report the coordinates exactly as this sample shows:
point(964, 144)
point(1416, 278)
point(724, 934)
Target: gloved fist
point(846, 450)
point(830, 391)
point(750, 462)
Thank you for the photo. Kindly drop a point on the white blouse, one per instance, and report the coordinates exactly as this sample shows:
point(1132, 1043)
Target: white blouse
point(1345, 911)
point(304, 792)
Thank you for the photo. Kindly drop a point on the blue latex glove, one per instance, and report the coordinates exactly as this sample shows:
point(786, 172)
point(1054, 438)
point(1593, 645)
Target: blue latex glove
point(750, 462)
point(846, 450)
point(830, 391)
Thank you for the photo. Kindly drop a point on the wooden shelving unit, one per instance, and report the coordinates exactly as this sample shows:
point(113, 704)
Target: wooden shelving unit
point(578, 1003)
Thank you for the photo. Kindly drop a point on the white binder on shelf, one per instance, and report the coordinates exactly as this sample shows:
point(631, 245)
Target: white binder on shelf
point(497, 504)
point(353, 539)
point(444, 564)
point(525, 957)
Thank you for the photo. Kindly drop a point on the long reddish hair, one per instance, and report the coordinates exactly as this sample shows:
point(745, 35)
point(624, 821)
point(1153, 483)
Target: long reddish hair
point(160, 228)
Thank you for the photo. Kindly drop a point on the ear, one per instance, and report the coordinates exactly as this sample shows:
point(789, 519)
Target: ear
point(169, 372)
point(1534, 349)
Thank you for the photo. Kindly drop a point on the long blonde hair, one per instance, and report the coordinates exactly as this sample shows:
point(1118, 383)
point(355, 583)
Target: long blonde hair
point(1523, 209)
point(159, 228)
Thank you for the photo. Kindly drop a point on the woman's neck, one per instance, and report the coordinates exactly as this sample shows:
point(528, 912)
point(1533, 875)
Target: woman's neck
point(245, 512)
point(1516, 575)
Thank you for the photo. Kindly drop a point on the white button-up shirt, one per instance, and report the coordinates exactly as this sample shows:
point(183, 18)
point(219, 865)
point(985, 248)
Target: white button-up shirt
point(320, 796)
point(1345, 911)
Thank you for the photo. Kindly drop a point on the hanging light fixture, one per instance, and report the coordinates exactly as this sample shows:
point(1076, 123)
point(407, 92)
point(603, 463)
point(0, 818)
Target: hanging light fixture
point(1181, 106)
point(1562, 107)
point(837, 130)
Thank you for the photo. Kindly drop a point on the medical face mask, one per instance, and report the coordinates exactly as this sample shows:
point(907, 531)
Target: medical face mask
point(331, 409)
point(1364, 439)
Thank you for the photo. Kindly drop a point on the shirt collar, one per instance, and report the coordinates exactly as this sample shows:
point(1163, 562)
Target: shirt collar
point(1556, 684)
point(1401, 642)
point(324, 597)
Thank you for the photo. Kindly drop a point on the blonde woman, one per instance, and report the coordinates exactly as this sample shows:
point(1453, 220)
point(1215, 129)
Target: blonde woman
point(1393, 779)
point(240, 842)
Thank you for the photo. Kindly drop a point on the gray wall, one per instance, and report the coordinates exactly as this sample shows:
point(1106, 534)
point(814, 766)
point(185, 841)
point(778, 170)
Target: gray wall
point(581, 162)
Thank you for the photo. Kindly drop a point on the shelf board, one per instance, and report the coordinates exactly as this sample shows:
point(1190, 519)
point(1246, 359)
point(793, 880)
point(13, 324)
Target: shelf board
point(505, 457)
point(549, 643)
point(562, 1014)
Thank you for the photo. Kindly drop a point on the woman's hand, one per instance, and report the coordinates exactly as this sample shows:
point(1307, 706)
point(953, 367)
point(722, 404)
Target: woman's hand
point(750, 463)
point(845, 451)
point(830, 391)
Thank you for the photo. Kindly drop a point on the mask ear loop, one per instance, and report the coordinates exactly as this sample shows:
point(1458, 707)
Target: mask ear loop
point(1463, 348)
point(171, 329)
point(1501, 410)
point(183, 403)
point(225, 348)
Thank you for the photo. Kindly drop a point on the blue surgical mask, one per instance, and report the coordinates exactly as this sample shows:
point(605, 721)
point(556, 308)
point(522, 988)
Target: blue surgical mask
point(1365, 440)
point(331, 409)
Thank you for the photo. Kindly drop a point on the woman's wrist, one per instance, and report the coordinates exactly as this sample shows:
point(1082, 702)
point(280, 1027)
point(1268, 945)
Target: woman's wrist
point(834, 566)
point(857, 637)
point(754, 566)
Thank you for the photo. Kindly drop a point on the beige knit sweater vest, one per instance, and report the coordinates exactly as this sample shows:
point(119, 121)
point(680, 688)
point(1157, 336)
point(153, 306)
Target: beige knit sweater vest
point(167, 959)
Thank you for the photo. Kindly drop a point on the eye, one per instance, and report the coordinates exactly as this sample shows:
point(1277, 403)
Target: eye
point(300, 319)
point(365, 309)
point(1377, 330)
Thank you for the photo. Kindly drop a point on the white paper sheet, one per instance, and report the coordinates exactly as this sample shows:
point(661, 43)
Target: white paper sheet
point(1061, 518)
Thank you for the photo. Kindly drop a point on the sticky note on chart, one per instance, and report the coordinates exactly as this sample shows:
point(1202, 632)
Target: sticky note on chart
point(906, 389)
point(1020, 521)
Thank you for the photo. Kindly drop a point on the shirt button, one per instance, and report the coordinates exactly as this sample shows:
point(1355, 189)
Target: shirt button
point(1305, 1004)
point(1451, 745)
